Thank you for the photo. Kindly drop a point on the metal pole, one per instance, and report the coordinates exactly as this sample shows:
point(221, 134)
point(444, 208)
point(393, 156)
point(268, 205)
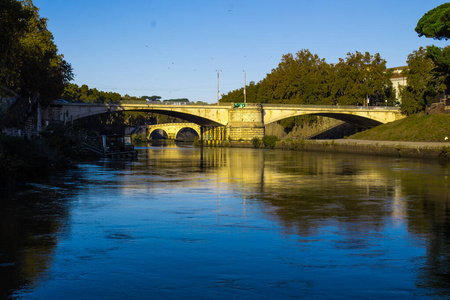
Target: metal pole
point(245, 84)
point(218, 94)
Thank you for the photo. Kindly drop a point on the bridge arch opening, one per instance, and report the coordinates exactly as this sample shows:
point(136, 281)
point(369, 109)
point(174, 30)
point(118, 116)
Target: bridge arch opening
point(364, 122)
point(316, 127)
point(187, 134)
point(158, 134)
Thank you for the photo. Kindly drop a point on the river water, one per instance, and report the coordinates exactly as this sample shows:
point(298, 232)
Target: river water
point(227, 223)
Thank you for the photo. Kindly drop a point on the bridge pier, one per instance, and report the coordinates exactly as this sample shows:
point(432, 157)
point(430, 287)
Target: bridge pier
point(212, 135)
point(246, 123)
point(245, 132)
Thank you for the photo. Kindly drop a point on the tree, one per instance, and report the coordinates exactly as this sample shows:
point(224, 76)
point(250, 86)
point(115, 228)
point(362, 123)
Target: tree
point(151, 98)
point(85, 94)
point(302, 79)
point(422, 86)
point(13, 23)
point(30, 63)
point(361, 77)
point(435, 23)
point(71, 92)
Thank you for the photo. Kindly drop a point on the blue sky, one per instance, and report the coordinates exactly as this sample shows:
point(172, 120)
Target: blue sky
point(173, 48)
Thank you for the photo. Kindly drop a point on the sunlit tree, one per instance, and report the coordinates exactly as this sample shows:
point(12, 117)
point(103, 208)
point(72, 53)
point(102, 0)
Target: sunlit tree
point(422, 87)
point(436, 24)
point(362, 78)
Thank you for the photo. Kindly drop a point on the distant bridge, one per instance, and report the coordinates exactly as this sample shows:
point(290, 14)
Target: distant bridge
point(173, 129)
point(220, 122)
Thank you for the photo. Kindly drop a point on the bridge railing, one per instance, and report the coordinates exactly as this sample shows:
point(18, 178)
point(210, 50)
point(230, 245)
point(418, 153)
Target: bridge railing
point(352, 107)
point(142, 102)
point(231, 104)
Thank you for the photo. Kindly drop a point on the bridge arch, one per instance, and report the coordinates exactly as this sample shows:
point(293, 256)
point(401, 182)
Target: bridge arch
point(204, 115)
point(358, 120)
point(187, 130)
point(157, 132)
point(367, 117)
point(172, 130)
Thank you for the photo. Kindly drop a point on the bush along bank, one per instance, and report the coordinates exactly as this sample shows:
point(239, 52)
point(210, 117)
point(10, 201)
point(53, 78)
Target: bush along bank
point(25, 159)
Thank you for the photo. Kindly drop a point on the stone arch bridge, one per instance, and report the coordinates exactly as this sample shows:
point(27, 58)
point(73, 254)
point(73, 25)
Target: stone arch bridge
point(173, 129)
point(229, 121)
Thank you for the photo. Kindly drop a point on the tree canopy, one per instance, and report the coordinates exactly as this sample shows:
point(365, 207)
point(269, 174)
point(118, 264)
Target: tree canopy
point(435, 23)
point(29, 59)
point(422, 85)
point(74, 93)
point(308, 79)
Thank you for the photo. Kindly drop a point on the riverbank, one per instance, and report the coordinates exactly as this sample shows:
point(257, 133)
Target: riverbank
point(379, 148)
point(439, 150)
point(419, 136)
point(24, 159)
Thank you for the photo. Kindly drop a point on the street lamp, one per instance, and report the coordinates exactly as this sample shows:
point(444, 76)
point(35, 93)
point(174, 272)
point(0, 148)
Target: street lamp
point(218, 94)
point(245, 84)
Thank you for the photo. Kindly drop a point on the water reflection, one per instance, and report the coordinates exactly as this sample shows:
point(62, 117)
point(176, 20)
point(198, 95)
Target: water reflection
point(30, 223)
point(381, 222)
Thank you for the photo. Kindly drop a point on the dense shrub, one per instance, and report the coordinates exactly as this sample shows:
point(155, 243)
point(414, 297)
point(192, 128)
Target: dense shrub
point(23, 159)
point(270, 141)
point(256, 142)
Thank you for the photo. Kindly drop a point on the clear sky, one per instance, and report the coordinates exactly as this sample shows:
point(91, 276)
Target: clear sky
point(172, 48)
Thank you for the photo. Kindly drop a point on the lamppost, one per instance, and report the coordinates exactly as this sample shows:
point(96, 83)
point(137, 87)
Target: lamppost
point(245, 84)
point(218, 94)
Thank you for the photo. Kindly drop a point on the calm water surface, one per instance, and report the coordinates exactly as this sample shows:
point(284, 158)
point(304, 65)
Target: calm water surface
point(231, 224)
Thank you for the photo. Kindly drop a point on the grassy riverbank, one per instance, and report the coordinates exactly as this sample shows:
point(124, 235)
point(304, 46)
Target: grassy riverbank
point(415, 128)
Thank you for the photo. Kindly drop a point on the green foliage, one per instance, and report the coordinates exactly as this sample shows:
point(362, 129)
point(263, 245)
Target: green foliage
point(29, 59)
point(25, 159)
point(270, 141)
point(435, 23)
point(441, 59)
point(238, 95)
point(74, 93)
point(302, 79)
point(307, 79)
point(151, 98)
point(361, 77)
point(178, 100)
point(445, 151)
point(256, 142)
point(422, 87)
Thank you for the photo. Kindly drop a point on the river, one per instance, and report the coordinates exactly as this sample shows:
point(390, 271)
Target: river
point(227, 223)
